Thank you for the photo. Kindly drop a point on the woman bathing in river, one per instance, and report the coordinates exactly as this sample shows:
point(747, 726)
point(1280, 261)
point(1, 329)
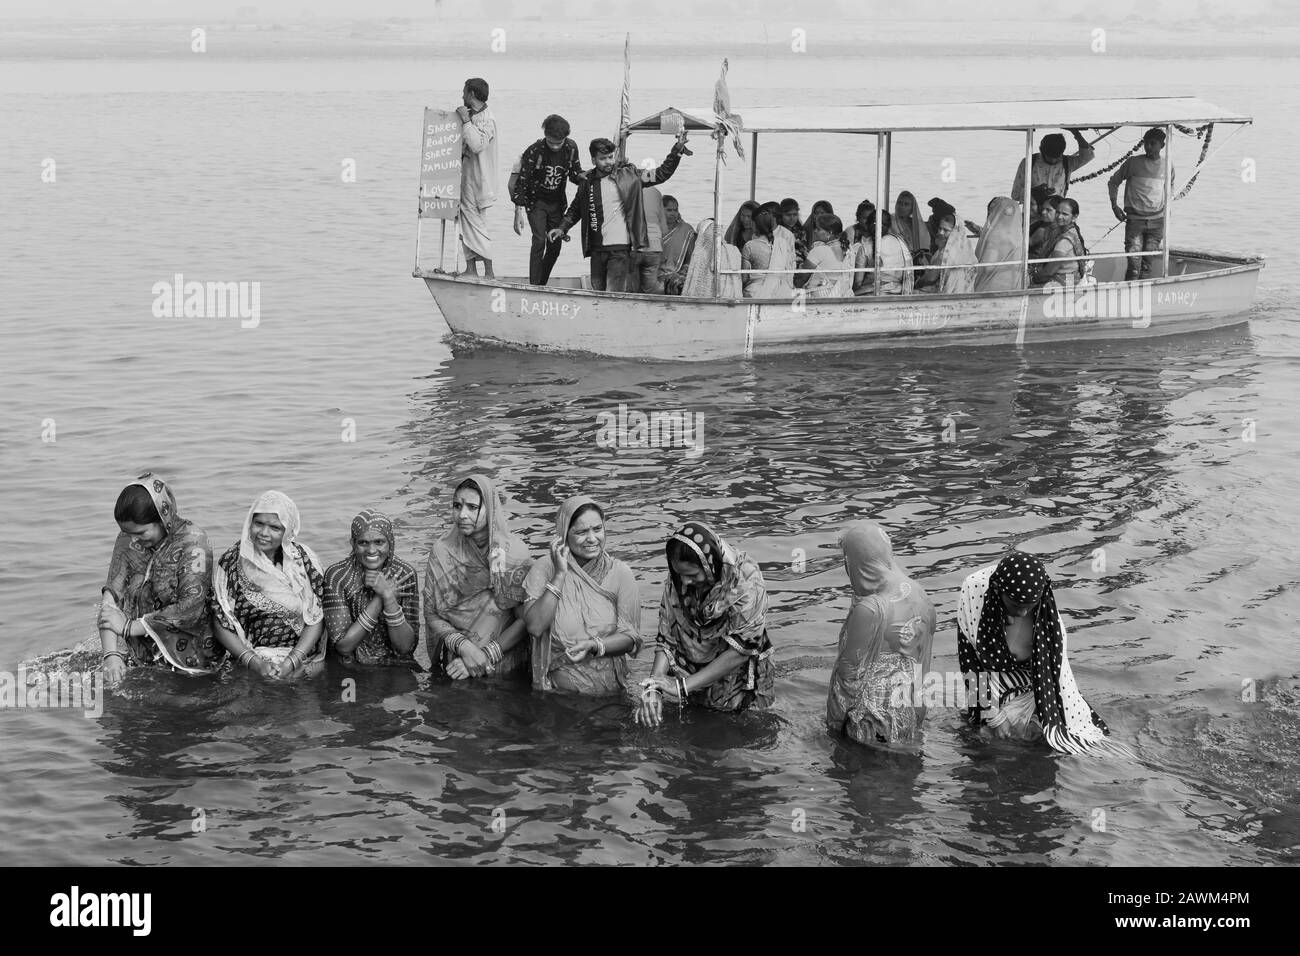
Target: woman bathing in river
point(371, 599)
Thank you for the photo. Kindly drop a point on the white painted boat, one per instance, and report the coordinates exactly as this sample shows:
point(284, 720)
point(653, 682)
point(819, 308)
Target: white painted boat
point(1190, 290)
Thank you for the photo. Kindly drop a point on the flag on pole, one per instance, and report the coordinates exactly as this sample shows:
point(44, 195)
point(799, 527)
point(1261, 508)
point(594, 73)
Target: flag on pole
point(729, 123)
point(625, 102)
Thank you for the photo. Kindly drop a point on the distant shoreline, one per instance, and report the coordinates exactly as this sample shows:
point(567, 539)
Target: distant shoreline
point(398, 38)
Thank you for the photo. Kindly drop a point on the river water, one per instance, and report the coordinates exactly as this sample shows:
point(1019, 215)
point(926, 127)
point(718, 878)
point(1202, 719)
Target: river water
point(229, 170)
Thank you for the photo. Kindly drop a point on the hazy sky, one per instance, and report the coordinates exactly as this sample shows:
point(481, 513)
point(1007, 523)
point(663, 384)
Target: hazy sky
point(1186, 12)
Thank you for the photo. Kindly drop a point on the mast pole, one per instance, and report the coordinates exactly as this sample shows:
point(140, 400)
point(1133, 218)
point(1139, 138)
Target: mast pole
point(753, 167)
point(1025, 197)
point(1169, 188)
point(717, 215)
point(881, 172)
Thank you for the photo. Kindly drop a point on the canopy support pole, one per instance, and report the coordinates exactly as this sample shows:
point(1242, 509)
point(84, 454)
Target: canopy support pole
point(1025, 198)
point(1169, 195)
point(753, 167)
point(717, 214)
point(881, 172)
point(889, 165)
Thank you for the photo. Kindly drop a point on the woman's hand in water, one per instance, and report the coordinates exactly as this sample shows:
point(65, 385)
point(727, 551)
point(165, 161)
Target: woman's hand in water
point(580, 651)
point(560, 555)
point(263, 668)
point(650, 708)
point(114, 670)
point(472, 659)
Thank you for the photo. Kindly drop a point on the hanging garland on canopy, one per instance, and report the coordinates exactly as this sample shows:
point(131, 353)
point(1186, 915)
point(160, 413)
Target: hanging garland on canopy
point(1203, 133)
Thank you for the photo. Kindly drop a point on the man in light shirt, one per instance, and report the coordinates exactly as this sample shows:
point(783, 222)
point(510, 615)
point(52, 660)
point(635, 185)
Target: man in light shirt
point(1051, 166)
point(1143, 212)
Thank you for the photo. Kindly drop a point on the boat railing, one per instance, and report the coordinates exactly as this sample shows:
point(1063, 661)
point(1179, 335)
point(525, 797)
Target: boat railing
point(969, 265)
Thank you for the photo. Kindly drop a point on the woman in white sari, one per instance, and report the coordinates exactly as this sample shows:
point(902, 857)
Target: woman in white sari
point(955, 249)
point(701, 278)
point(894, 262)
point(834, 276)
point(1002, 240)
point(778, 283)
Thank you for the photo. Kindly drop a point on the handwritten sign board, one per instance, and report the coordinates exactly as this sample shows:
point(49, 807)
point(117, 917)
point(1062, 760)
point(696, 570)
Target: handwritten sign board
point(440, 165)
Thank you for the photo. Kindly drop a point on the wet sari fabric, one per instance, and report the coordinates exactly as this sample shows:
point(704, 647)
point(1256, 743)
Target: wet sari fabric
point(475, 590)
point(598, 600)
point(884, 646)
point(346, 596)
point(167, 587)
point(728, 612)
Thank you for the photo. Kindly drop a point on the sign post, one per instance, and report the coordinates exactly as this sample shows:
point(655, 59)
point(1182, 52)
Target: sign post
point(439, 174)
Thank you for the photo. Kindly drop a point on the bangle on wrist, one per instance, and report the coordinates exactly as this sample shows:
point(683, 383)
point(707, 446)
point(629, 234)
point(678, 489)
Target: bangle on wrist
point(367, 620)
point(245, 659)
point(394, 618)
point(600, 647)
point(119, 654)
point(553, 589)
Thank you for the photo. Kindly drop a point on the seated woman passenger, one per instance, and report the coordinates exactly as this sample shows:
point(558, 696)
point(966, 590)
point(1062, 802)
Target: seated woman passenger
point(884, 647)
point(863, 228)
point(909, 227)
point(701, 278)
point(267, 593)
point(957, 253)
point(1066, 242)
point(1042, 234)
point(1001, 248)
point(894, 262)
point(712, 629)
point(371, 598)
point(1011, 648)
point(741, 230)
point(155, 599)
point(779, 281)
point(818, 208)
point(474, 588)
point(757, 253)
point(583, 609)
point(833, 277)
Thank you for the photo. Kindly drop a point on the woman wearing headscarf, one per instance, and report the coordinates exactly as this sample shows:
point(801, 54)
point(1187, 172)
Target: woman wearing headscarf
point(757, 253)
point(884, 646)
point(155, 599)
point(583, 610)
point(267, 594)
point(713, 641)
point(955, 249)
point(371, 598)
point(474, 588)
point(896, 275)
point(1001, 245)
point(741, 230)
point(701, 278)
point(909, 227)
point(778, 282)
point(1011, 648)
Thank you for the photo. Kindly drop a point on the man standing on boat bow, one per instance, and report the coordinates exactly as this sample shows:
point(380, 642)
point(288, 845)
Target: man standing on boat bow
point(610, 208)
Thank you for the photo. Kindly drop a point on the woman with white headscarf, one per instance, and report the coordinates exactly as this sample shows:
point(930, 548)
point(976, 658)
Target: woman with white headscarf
point(267, 594)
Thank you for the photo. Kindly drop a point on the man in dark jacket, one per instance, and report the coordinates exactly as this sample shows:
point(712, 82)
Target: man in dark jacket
point(538, 192)
point(608, 205)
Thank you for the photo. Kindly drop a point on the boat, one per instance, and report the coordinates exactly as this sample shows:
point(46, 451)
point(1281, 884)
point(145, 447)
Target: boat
point(1189, 290)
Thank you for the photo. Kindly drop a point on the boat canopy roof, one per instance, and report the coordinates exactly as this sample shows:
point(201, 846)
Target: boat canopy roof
point(1000, 115)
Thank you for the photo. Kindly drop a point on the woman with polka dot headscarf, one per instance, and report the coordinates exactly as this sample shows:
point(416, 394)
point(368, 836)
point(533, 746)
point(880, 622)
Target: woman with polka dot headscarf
point(1011, 649)
point(712, 629)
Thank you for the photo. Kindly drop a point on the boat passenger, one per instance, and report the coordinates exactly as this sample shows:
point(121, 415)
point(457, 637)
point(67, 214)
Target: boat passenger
point(790, 217)
point(645, 262)
point(701, 278)
point(833, 277)
point(741, 229)
point(539, 192)
point(819, 207)
point(907, 225)
point(860, 231)
point(894, 262)
point(955, 249)
point(757, 253)
point(884, 646)
point(778, 283)
point(713, 641)
point(371, 598)
point(1067, 241)
point(976, 229)
point(583, 608)
point(1001, 245)
point(474, 588)
point(267, 595)
point(478, 175)
point(678, 243)
point(939, 209)
point(154, 609)
point(1011, 647)
point(1051, 166)
point(1042, 234)
point(609, 206)
point(1143, 212)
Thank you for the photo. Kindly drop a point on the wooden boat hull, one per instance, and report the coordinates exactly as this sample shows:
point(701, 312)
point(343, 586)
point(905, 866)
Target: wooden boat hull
point(1204, 291)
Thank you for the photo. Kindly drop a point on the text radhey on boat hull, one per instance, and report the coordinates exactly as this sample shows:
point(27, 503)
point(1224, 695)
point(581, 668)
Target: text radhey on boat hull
point(1204, 291)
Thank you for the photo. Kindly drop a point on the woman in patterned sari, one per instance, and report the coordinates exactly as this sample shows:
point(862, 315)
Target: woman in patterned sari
point(154, 609)
point(712, 629)
point(474, 586)
point(267, 592)
point(884, 646)
point(1011, 648)
point(371, 598)
point(584, 609)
